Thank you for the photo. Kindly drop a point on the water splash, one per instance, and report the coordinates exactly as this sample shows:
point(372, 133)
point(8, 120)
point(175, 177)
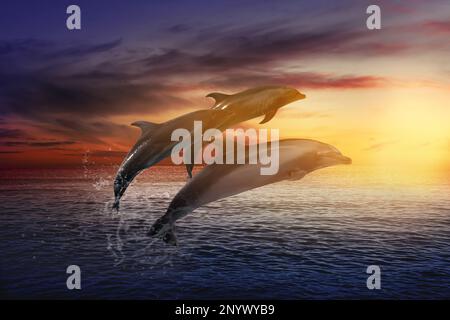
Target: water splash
point(85, 163)
point(129, 244)
point(101, 183)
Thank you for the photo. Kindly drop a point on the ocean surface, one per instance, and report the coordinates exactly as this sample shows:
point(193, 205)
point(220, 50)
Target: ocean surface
point(307, 239)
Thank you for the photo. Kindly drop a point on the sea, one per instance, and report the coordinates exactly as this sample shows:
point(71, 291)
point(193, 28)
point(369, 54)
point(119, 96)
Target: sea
point(314, 238)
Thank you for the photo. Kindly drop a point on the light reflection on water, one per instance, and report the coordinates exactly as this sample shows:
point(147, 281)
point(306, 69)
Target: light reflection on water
point(312, 238)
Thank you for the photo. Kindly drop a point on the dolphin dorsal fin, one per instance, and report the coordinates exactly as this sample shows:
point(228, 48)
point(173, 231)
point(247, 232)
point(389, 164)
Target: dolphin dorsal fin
point(145, 126)
point(219, 97)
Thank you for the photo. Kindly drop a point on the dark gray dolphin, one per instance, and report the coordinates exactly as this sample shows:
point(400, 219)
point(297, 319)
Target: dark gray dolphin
point(297, 157)
point(155, 142)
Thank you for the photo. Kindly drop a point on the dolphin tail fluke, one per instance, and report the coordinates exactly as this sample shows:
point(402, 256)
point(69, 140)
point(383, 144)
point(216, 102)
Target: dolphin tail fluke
point(269, 116)
point(170, 238)
point(164, 229)
point(116, 205)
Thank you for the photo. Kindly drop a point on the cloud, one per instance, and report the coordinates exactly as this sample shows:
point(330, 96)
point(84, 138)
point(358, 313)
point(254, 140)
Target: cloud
point(245, 49)
point(379, 145)
point(102, 80)
point(179, 28)
point(58, 80)
point(435, 26)
point(23, 46)
point(11, 133)
point(80, 50)
point(73, 90)
point(39, 144)
point(302, 115)
point(89, 131)
point(93, 94)
point(44, 49)
point(100, 154)
point(108, 153)
point(302, 80)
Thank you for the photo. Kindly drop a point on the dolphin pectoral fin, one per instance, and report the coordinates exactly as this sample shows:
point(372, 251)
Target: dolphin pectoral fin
point(218, 97)
point(189, 168)
point(269, 116)
point(297, 174)
point(145, 126)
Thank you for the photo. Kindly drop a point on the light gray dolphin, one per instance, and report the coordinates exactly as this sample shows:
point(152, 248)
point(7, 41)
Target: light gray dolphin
point(297, 157)
point(155, 142)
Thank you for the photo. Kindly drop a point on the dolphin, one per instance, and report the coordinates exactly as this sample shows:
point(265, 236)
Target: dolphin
point(297, 157)
point(254, 102)
point(155, 142)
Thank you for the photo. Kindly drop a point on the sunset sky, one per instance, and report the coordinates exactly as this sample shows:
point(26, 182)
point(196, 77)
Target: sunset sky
point(380, 96)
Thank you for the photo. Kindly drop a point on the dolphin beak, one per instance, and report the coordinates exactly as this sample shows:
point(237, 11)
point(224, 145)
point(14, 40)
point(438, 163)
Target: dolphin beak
point(333, 158)
point(344, 160)
point(299, 96)
point(116, 203)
